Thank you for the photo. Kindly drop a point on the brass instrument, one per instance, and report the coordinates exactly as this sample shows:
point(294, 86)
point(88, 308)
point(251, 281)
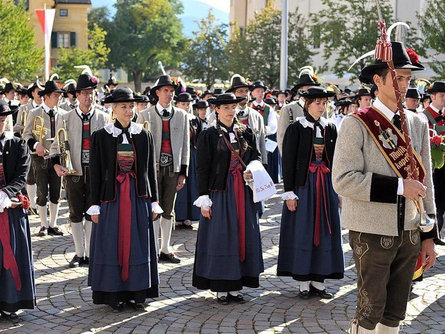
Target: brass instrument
point(39, 130)
point(64, 147)
point(146, 125)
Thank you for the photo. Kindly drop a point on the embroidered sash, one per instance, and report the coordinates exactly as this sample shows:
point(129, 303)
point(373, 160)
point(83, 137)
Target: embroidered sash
point(390, 141)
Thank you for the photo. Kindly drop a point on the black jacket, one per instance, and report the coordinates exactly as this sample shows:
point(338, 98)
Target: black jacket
point(103, 166)
point(16, 161)
point(298, 150)
point(213, 165)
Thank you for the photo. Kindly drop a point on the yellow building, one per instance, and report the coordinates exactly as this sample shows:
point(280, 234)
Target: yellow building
point(70, 27)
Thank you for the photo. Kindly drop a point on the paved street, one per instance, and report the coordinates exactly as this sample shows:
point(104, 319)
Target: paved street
point(64, 301)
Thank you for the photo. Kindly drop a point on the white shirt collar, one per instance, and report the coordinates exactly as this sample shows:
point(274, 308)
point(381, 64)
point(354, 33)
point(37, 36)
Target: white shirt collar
point(134, 129)
point(384, 109)
point(434, 108)
point(34, 104)
point(8, 135)
point(80, 113)
point(46, 108)
point(160, 108)
point(255, 103)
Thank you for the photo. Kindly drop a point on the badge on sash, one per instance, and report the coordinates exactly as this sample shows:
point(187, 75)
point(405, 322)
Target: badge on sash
point(387, 137)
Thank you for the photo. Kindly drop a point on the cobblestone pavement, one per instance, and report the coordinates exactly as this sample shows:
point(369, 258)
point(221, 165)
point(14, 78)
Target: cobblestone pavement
point(64, 301)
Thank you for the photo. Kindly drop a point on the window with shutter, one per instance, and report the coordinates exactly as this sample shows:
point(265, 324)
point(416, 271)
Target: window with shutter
point(72, 38)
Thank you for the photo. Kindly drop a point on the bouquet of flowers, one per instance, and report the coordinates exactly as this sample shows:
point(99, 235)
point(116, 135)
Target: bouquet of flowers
point(437, 150)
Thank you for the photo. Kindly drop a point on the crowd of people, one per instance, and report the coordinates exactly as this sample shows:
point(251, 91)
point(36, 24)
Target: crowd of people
point(135, 167)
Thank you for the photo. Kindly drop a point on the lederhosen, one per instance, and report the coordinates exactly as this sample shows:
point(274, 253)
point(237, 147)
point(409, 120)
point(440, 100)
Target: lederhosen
point(167, 178)
point(77, 187)
point(44, 172)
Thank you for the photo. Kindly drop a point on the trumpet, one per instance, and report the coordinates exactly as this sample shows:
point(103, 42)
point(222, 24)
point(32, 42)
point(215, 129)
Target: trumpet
point(146, 125)
point(39, 130)
point(64, 147)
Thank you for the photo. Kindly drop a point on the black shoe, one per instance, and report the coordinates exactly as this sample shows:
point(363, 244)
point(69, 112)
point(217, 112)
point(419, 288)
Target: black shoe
point(117, 307)
point(238, 298)
point(168, 258)
point(75, 262)
point(439, 242)
point(223, 300)
point(304, 294)
point(321, 293)
point(137, 306)
point(187, 227)
point(85, 261)
point(10, 316)
point(54, 231)
point(42, 232)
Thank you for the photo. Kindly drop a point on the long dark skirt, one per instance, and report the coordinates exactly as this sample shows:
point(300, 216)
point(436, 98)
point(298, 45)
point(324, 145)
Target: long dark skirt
point(274, 162)
point(217, 265)
point(12, 300)
point(104, 275)
point(298, 256)
point(184, 208)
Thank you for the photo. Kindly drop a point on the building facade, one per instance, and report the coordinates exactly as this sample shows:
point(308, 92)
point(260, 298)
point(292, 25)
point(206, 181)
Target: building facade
point(70, 27)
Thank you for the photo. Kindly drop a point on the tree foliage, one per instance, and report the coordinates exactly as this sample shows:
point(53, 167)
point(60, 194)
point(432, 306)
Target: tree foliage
point(142, 33)
point(95, 56)
point(21, 59)
point(348, 29)
point(432, 25)
point(256, 54)
point(206, 57)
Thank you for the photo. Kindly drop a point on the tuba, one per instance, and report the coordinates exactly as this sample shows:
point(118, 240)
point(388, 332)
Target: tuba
point(39, 130)
point(64, 147)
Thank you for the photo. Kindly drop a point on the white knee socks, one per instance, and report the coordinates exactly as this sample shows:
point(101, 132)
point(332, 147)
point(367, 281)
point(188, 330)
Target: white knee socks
point(43, 216)
point(53, 213)
point(77, 232)
point(166, 233)
point(32, 193)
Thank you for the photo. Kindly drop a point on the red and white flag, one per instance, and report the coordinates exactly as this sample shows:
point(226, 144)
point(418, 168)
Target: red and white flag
point(46, 19)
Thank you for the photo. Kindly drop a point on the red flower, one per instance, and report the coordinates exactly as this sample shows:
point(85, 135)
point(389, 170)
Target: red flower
point(436, 140)
point(413, 56)
point(94, 80)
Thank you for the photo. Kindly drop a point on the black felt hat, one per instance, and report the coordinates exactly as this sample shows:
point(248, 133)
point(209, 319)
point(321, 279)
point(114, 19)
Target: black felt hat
point(226, 98)
point(258, 84)
point(201, 104)
point(164, 80)
point(305, 80)
point(86, 81)
point(184, 97)
point(363, 92)
point(413, 92)
point(146, 90)
point(315, 92)
point(141, 98)
point(237, 82)
point(50, 87)
point(6, 109)
point(438, 86)
point(207, 92)
point(34, 85)
point(271, 101)
point(8, 87)
point(123, 94)
point(20, 89)
point(217, 91)
point(112, 81)
point(401, 60)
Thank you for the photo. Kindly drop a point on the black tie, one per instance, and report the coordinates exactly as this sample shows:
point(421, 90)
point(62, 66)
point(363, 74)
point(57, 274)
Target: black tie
point(241, 113)
point(397, 121)
point(51, 113)
point(165, 113)
point(85, 117)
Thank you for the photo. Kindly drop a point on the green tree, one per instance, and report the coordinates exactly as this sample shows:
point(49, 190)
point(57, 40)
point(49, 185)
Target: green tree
point(99, 16)
point(95, 56)
point(21, 59)
point(256, 53)
point(432, 25)
point(348, 29)
point(206, 57)
point(142, 33)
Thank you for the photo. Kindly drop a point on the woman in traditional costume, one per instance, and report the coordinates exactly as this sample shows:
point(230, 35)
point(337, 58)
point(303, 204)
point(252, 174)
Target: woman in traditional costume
point(310, 238)
point(123, 261)
point(228, 250)
point(17, 287)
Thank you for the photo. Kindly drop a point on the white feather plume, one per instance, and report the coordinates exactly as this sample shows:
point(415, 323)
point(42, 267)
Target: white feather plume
point(4, 81)
point(306, 70)
point(367, 54)
point(86, 69)
point(68, 82)
point(54, 76)
point(394, 25)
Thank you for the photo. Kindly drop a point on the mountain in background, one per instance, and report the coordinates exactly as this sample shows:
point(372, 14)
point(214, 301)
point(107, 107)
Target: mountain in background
point(193, 11)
